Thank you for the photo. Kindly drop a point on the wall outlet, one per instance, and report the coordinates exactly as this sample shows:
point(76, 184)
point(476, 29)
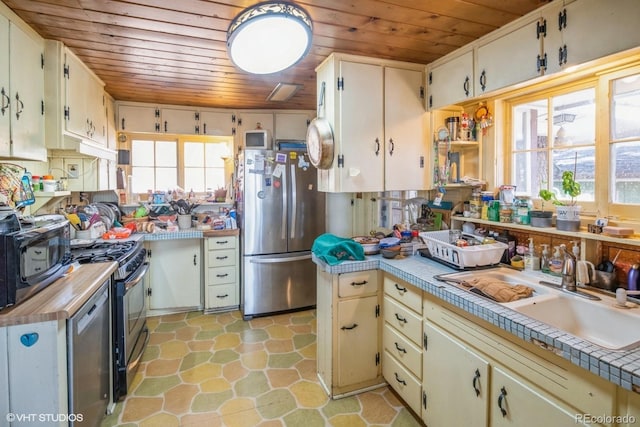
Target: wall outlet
point(73, 171)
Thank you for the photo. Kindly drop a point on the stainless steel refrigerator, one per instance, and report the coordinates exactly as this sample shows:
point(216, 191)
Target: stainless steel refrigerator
point(280, 213)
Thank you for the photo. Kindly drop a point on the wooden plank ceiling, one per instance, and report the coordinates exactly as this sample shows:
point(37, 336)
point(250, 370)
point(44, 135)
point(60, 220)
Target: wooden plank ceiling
point(174, 51)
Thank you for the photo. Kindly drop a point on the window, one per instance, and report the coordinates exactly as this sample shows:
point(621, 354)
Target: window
point(625, 140)
point(553, 134)
point(196, 163)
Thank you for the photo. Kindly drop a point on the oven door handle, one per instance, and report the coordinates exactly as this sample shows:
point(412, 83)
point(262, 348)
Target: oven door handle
point(131, 283)
point(135, 362)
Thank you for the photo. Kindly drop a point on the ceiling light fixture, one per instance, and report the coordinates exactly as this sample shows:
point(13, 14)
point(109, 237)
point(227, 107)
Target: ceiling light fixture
point(269, 37)
point(284, 91)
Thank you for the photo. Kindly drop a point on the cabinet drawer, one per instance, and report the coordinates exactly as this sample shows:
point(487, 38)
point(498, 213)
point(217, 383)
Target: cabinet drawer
point(221, 296)
point(405, 293)
point(403, 319)
point(358, 283)
point(219, 275)
point(215, 243)
point(221, 258)
point(407, 386)
point(403, 350)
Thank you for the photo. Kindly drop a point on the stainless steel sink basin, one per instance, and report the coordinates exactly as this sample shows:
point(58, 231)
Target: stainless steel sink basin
point(602, 322)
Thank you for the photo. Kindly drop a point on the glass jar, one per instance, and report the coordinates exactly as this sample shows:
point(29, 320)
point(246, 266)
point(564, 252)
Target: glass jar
point(523, 205)
point(506, 213)
point(474, 205)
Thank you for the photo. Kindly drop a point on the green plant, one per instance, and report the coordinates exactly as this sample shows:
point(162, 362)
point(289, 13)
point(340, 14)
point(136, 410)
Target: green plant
point(570, 187)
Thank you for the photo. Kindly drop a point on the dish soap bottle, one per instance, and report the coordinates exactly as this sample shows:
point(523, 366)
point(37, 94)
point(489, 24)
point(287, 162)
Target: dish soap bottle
point(532, 261)
point(556, 261)
point(544, 262)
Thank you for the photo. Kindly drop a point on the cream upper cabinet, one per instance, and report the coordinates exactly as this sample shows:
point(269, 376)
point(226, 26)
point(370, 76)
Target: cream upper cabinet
point(451, 81)
point(450, 369)
point(510, 57)
point(84, 109)
point(138, 118)
point(21, 93)
point(217, 123)
point(584, 30)
point(180, 121)
point(368, 128)
point(292, 125)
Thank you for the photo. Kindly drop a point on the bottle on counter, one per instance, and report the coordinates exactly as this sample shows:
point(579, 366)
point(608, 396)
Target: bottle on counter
point(633, 278)
point(532, 260)
point(544, 261)
point(556, 261)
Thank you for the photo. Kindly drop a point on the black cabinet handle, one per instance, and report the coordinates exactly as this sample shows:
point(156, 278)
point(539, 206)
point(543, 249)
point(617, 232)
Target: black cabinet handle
point(465, 86)
point(222, 257)
point(476, 382)
point(392, 146)
point(222, 296)
point(222, 242)
point(400, 318)
point(364, 282)
point(222, 275)
point(377, 146)
point(348, 328)
point(195, 257)
point(503, 393)
point(122, 124)
point(20, 105)
point(4, 97)
point(400, 349)
point(401, 289)
point(165, 125)
point(483, 80)
point(204, 128)
point(403, 382)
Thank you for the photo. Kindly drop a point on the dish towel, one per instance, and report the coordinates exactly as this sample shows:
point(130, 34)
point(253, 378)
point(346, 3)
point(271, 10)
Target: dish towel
point(501, 291)
point(334, 250)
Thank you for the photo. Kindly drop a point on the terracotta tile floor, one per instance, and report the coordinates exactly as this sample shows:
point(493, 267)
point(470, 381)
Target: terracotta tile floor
point(219, 370)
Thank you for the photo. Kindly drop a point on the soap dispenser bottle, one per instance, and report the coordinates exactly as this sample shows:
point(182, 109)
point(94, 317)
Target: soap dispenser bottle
point(544, 262)
point(556, 261)
point(532, 261)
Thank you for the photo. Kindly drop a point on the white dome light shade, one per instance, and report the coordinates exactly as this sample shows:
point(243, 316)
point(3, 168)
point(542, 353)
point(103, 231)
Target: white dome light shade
point(269, 37)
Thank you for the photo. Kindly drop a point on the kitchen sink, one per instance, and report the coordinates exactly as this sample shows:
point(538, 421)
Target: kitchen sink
point(600, 322)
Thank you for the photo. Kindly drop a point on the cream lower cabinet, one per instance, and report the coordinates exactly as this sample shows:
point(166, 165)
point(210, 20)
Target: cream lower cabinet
point(221, 291)
point(174, 275)
point(450, 369)
point(348, 307)
point(518, 383)
point(402, 339)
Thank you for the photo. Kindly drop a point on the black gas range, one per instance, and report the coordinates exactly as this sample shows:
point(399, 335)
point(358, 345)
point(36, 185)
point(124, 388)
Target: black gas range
point(128, 306)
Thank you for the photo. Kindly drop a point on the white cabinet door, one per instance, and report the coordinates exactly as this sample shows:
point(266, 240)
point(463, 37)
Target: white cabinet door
point(78, 88)
point(450, 369)
point(357, 328)
point(361, 127)
point(509, 59)
point(26, 74)
point(179, 121)
point(405, 152)
point(138, 118)
point(293, 126)
point(585, 30)
point(513, 403)
point(217, 123)
point(451, 82)
point(5, 100)
point(175, 274)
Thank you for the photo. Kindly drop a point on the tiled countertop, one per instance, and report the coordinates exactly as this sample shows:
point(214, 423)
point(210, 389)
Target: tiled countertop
point(189, 234)
point(619, 367)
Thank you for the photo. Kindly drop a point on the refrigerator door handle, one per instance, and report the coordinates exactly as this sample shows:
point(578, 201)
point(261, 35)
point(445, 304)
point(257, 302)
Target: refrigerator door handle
point(283, 234)
point(278, 260)
point(294, 200)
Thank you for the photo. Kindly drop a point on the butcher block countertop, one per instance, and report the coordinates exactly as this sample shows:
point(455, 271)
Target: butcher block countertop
point(61, 299)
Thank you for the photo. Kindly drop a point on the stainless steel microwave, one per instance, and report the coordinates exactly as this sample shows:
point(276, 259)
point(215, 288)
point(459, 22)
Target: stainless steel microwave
point(32, 259)
point(257, 139)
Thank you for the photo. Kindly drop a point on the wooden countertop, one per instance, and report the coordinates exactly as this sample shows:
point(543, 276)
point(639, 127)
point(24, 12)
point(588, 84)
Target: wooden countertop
point(221, 233)
point(61, 299)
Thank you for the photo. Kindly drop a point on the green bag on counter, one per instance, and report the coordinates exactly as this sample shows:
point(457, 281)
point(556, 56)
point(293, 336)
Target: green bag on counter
point(334, 250)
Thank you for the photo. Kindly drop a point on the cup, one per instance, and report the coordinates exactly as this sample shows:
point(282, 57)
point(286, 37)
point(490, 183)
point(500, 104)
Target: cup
point(184, 222)
point(83, 234)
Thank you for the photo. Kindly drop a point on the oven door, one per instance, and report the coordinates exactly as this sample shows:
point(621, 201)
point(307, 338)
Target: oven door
point(135, 310)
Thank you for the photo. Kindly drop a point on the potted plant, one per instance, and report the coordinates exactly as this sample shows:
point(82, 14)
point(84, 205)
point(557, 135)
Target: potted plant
point(568, 212)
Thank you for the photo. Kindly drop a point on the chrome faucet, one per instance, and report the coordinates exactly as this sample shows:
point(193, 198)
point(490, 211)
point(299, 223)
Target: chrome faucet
point(568, 271)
